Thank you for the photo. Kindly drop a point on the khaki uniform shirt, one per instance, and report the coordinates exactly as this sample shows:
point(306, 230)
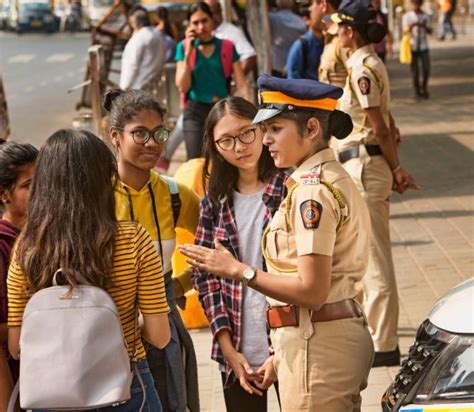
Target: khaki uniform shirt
point(367, 86)
point(309, 225)
point(332, 67)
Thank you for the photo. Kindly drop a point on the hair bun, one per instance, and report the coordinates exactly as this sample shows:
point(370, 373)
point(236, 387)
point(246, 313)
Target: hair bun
point(109, 98)
point(340, 124)
point(2, 141)
point(376, 32)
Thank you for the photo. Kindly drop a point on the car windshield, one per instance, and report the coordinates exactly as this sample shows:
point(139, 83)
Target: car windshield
point(34, 6)
point(452, 375)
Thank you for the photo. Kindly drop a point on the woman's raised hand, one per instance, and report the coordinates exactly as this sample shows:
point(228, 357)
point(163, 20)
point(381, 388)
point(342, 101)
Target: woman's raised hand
point(218, 261)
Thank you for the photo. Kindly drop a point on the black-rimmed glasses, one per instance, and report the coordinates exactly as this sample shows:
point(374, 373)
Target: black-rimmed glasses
point(245, 137)
point(142, 136)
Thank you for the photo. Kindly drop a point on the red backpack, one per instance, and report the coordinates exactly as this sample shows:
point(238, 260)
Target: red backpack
point(227, 60)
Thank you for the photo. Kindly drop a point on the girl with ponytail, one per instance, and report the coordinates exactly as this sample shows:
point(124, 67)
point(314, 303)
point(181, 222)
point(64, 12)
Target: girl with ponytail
point(369, 154)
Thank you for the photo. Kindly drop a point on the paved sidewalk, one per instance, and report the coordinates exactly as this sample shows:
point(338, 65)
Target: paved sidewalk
point(433, 230)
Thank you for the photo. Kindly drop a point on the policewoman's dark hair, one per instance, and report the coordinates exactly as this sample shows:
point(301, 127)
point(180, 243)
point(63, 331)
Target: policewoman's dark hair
point(335, 123)
point(200, 5)
point(124, 106)
point(219, 177)
point(71, 211)
point(13, 156)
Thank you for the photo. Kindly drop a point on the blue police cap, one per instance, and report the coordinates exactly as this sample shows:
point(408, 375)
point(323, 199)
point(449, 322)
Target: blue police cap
point(277, 95)
point(353, 12)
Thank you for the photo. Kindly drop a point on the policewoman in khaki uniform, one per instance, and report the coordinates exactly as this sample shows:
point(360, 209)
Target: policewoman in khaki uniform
point(369, 155)
point(332, 67)
point(316, 251)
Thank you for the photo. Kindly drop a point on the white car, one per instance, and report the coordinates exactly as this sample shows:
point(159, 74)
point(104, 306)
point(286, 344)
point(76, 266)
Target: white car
point(438, 375)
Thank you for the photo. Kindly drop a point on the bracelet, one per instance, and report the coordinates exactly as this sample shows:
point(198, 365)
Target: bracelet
point(396, 169)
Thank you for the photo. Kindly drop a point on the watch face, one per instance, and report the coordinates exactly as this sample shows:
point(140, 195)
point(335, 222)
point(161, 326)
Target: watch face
point(249, 273)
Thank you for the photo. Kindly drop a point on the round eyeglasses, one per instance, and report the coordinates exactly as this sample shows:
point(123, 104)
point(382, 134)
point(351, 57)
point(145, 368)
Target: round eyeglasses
point(142, 136)
point(245, 137)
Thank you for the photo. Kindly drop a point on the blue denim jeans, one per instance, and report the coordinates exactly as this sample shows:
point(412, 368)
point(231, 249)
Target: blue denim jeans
point(152, 404)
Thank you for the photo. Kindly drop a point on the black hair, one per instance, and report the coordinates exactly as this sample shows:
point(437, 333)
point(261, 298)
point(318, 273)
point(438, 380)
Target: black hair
point(162, 14)
point(200, 5)
point(222, 178)
point(335, 123)
point(13, 156)
point(71, 211)
point(335, 3)
point(123, 106)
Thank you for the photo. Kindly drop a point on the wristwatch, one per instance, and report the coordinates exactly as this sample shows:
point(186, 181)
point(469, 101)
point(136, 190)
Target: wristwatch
point(249, 273)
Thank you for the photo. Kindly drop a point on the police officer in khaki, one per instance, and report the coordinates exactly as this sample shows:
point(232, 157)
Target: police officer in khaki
point(332, 68)
point(4, 122)
point(316, 251)
point(370, 156)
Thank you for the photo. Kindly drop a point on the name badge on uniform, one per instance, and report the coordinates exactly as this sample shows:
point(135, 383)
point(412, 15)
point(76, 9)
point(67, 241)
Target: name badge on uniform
point(311, 212)
point(313, 177)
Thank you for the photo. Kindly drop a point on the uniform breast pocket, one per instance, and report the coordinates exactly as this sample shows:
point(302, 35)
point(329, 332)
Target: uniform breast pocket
point(277, 239)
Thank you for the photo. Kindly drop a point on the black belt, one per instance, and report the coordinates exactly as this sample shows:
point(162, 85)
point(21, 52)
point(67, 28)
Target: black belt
point(353, 152)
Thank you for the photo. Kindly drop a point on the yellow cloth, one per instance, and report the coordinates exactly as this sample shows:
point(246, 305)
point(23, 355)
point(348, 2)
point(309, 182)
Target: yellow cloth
point(143, 213)
point(137, 274)
point(405, 49)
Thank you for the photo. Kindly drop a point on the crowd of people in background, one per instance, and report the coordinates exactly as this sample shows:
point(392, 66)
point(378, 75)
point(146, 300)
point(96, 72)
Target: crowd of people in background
point(267, 267)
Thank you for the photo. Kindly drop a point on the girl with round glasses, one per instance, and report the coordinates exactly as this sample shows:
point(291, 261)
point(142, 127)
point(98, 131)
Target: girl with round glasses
point(161, 205)
point(244, 189)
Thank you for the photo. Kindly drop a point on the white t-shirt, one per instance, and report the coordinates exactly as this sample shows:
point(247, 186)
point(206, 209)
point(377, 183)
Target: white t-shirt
point(249, 216)
point(143, 58)
point(228, 31)
point(419, 35)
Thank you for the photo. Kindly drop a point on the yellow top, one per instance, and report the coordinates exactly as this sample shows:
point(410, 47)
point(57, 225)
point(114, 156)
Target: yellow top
point(367, 86)
point(313, 225)
point(136, 274)
point(131, 204)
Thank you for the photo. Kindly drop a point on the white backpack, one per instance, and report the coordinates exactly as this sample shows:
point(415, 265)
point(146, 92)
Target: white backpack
point(73, 353)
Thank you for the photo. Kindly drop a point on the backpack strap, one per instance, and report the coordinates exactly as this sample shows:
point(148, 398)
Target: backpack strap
point(304, 51)
point(173, 188)
point(227, 57)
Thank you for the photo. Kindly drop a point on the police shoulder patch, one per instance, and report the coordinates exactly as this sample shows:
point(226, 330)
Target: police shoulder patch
point(364, 85)
point(311, 212)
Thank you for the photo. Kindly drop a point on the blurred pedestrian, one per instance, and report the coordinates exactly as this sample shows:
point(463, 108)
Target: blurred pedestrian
point(144, 55)
point(229, 31)
point(384, 47)
point(285, 27)
point(370, 156)
point(332, 69)
point(248, 60)
point(72, 225)
point(243, 192)
point(165, 25)
point(17, 163)
point(316, 248)
point(205, 65)
point(161, 206)
point(168, 31)
point(305, 52)
point(418, 23)
point(4, 120)
point(445, 24)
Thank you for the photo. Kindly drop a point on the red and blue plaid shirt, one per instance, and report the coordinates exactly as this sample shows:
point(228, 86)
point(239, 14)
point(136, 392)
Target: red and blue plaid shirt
point(222, 298)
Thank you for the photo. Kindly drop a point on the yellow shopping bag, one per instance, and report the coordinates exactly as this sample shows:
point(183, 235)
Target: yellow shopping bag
point(405, 49)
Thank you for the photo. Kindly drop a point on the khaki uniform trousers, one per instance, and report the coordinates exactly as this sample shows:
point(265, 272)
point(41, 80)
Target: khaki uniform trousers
point(373, 177)
point(322, 367)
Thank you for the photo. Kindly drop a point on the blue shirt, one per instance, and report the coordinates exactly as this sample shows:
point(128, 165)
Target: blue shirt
point(295, 60)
